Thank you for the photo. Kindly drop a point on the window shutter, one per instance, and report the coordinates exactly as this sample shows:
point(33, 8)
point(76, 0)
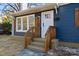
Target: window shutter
point(77, 17)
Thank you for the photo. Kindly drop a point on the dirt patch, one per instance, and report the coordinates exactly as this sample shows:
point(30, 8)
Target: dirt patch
point(10, 45)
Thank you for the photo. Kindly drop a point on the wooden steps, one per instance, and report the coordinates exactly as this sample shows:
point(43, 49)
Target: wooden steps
point(34, 43)
point(37, 44)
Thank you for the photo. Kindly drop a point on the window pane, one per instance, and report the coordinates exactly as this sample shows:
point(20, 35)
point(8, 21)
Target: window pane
point(31, 21)
point(19, 23)
point(24, 23)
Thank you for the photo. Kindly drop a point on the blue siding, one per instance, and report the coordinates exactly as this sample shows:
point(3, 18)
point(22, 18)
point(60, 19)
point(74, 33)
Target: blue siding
point(66, 29)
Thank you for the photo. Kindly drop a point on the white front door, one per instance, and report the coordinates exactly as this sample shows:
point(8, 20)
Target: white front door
point(47, 19)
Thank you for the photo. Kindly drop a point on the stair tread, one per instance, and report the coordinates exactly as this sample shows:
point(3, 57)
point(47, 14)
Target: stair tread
point(35, 47)
point(37, 44)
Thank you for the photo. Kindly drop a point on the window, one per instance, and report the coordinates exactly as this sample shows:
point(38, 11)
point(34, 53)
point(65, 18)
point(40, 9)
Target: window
point(18, 24)
point(24, 23)
point(47, 16)
point(31, 21)
point(77, 17)
point(21, 24)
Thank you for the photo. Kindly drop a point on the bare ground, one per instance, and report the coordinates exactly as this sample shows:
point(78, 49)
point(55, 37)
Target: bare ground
point(13, 45)
point(10, 45)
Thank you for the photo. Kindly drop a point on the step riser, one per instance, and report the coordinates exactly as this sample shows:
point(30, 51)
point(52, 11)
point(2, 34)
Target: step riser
point(41, 41)
point(38, 45)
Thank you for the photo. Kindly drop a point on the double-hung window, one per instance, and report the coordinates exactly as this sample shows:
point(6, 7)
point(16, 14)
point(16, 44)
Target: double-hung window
point(31, 20)
point(24, 23)
point(21, 24)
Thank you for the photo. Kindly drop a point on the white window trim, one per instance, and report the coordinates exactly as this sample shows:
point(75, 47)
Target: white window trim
point(17, 24)
point(22, 23)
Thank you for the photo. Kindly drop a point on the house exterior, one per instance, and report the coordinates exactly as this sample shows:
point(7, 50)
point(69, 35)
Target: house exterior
point(63, 17)
point(22, 25)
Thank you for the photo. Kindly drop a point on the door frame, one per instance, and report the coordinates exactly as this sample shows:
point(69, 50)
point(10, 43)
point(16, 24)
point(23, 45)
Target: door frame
point(42, 15)
point(38, 25)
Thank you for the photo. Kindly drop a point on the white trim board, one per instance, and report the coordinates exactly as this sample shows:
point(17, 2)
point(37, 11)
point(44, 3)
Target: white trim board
point(21, 30)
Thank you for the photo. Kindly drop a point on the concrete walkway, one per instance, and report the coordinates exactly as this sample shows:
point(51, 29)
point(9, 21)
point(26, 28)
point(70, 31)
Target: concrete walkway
point(28, 52)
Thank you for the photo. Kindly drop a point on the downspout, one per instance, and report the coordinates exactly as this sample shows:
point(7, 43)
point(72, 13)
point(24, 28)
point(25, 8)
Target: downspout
point(56, 8)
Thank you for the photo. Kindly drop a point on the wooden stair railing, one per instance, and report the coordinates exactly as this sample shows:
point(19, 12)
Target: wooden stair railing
point(28, 37)
point(50, 34)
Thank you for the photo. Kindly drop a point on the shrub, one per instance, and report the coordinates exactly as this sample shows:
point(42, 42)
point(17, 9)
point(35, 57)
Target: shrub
point(7, 24)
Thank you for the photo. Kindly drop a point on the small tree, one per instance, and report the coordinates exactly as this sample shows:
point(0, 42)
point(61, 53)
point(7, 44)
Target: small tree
point(6, 23)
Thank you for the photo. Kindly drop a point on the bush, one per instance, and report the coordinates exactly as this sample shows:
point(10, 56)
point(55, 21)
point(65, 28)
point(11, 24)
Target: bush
point(7, 24)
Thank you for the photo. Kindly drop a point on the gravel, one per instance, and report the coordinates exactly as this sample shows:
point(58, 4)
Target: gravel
point(63, 51)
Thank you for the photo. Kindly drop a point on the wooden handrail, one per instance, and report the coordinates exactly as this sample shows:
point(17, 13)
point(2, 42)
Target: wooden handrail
point(50, 34)
point(28, 37)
